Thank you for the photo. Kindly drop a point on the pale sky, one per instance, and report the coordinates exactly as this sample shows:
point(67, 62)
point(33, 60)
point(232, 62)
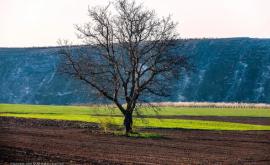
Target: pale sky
point(26, 23)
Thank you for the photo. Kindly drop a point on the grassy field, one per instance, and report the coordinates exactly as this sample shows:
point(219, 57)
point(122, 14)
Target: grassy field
point(101, 115)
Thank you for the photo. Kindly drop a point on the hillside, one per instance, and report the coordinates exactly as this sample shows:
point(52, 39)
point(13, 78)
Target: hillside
point(229, 70)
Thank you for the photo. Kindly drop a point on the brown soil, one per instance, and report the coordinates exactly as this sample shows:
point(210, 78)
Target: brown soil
point(246, 120)
point(235, 119)
point(46, 141)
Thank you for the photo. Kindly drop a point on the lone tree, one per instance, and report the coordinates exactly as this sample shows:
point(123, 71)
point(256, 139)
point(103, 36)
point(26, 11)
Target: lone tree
point(128, 53)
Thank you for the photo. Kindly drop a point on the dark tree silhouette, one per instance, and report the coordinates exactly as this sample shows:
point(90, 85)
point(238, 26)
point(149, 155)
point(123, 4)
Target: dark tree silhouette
point(129, 52)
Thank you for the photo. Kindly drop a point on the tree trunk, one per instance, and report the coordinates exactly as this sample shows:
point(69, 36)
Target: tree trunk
point(128, 122)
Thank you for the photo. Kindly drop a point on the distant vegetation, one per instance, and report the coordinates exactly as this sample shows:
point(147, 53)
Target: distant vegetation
point(212, 105)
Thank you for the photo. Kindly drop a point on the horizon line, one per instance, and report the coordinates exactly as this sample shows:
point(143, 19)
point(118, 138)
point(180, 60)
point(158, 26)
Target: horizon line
point(194, 38)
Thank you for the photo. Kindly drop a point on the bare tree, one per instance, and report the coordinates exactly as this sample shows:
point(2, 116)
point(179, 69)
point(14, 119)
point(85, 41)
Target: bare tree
point(129, 52)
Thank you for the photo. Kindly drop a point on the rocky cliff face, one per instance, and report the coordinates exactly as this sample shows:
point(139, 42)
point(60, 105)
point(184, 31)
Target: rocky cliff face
point(29, 75)
point(227, 70)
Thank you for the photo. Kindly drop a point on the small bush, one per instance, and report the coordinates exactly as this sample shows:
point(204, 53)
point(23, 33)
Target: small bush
point(108, 124)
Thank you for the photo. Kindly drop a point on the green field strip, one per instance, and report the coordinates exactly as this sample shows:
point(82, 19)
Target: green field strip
point(163, 111)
